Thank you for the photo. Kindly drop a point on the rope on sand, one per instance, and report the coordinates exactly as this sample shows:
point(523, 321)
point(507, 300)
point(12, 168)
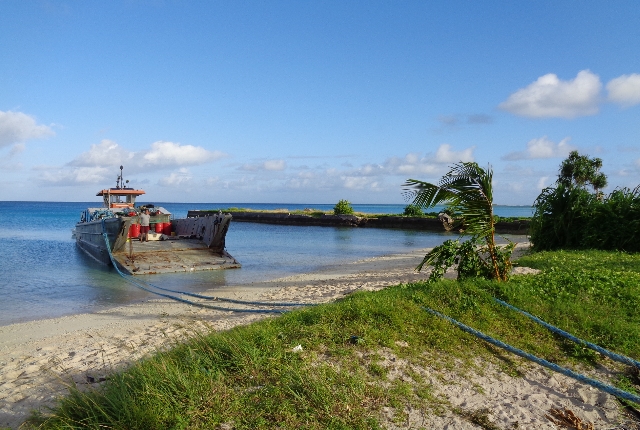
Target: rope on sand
point(140, 285)
point(611, 355)
point(567, 372)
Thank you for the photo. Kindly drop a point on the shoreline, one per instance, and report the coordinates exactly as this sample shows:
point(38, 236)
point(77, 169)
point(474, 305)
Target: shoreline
point(40, 359)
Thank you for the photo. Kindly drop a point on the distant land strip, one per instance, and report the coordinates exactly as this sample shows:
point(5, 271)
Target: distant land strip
point(375, 221)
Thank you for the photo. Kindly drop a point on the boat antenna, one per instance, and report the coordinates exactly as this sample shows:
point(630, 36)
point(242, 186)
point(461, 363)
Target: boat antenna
point(119, 181)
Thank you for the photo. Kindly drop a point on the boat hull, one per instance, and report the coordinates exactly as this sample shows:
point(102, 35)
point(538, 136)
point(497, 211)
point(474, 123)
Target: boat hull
point(90, 239)
point(196, 244)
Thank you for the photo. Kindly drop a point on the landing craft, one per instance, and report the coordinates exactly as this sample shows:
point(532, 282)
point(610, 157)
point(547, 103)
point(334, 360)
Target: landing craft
point(110, 235)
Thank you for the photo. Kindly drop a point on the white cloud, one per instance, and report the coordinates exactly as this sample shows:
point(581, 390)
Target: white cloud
point(269, 165)
point(161, 154)
point(106, 153)
point(176, 179)
point(358, 183)
point(370, 170)
point(411, 164)
point(542, 148)
point(625, 90)
point(99, 163)
point(446, 155)
point(414, 164)
point(17, 127)
point(274, 165)
point(550, 97)
point(174, 154)
point(76, 176)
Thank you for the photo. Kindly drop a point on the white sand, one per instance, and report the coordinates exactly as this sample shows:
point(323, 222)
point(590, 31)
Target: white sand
point(39, 359)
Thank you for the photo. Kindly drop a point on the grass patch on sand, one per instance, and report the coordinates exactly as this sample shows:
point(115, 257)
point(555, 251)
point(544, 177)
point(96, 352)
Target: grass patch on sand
point(250, 377)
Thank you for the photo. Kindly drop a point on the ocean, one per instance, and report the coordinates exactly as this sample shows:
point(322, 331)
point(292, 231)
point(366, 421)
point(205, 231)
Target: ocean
point(44, 275)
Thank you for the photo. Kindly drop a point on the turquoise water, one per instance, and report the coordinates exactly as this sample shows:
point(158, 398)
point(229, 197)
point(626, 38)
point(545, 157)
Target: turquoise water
point(43, 274)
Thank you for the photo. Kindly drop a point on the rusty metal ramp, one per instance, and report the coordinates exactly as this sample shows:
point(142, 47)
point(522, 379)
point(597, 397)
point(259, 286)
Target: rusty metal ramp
point(171, 255)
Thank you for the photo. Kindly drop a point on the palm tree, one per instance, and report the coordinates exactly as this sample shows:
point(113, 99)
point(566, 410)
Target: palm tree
point(467, 190)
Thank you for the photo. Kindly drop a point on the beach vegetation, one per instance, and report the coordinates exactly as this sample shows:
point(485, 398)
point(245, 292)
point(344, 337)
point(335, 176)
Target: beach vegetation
point(413, 210)
point(343, 207)
point(569, 215)
point(346, 374)
point(467, 192)
point(578, 171)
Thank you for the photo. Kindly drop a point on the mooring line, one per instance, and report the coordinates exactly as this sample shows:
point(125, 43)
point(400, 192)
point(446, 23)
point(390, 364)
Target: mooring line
point(138, 284)
point(612, 355)
point(567, 372)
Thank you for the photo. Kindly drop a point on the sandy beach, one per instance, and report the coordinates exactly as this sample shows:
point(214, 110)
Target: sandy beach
point(40, 359)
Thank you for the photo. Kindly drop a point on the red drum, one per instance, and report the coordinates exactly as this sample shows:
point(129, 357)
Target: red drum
point(134, 230)
point(159, 227)
point(166, 229)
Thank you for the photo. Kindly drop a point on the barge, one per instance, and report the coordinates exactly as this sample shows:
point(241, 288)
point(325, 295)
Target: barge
point(110, 235)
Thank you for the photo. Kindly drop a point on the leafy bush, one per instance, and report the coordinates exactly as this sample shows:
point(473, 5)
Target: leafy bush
point(572, 218)
point(343, 207)
point(472, 260)
point(413, 210)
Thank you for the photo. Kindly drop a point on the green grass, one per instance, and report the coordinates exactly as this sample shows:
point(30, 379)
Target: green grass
point(250, 378)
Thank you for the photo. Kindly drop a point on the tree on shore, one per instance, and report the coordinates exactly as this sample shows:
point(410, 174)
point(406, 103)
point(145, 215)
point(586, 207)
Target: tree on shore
point(467, 191)
point(580, 170)
point(570, 216)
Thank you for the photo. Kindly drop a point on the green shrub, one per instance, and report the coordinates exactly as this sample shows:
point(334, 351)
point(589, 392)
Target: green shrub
point(413, 210)
point(343, 207)
point(572, 218)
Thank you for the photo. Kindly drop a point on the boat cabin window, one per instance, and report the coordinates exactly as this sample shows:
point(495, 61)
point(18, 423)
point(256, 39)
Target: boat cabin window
point(111, 199)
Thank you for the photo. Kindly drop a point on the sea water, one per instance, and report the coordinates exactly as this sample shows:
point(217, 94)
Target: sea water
point(43, 274)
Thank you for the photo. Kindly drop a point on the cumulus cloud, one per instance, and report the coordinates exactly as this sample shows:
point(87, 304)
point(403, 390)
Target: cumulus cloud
point(358, 183)
point(542, 147)
point(446, 155)
point(410, 164)
point(625, 90)
point(550, 97)
point(106, 153)
point(76, 176)
point(97, 164)
point(431, 164)
point(269, 165)
point(18, 127)
point(174, 154)
point(161, 154)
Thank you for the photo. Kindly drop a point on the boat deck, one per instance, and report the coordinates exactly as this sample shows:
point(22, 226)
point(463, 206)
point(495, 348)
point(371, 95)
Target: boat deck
point(174, 255)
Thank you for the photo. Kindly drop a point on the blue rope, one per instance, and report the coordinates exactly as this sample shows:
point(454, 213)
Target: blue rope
point(241, 302)
point(611, 355)
point(131, 280)
point(567, 372)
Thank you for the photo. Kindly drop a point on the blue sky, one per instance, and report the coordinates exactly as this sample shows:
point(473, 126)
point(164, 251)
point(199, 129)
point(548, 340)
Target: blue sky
point(312, 102)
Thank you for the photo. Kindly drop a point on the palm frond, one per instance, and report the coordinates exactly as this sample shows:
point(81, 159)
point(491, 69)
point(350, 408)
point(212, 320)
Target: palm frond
point(466, 189)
